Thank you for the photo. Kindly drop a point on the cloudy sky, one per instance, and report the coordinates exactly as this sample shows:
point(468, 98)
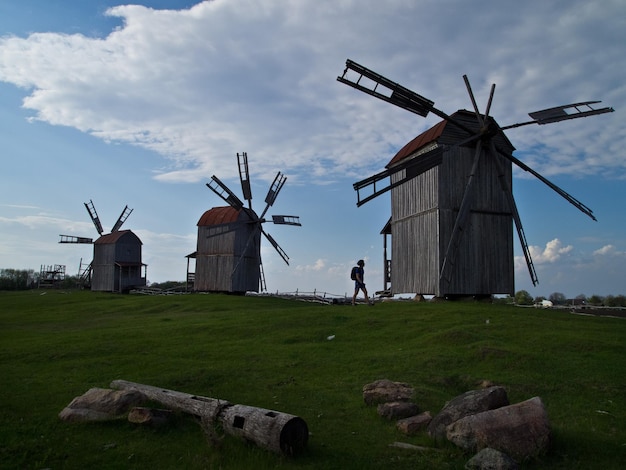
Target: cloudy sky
point(141, 103)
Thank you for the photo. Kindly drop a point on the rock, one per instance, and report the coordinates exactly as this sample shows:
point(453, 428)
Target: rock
point(149, 416)
point(521, 430)
point(414, 424)
point(469, 403)
point(384, 391)
point(491, 459)
point(397, 409)
point(98, 404)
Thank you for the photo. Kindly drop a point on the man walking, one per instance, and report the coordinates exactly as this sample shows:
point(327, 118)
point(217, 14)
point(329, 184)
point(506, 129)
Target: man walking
point(359, 284)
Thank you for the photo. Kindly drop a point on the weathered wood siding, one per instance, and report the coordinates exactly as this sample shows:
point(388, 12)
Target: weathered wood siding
point(117, 262)
point(227, 258)
point(424, 211)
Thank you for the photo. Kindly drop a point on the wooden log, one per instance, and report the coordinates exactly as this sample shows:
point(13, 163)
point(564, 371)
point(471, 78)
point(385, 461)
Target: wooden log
point(269, 429)
point(204, 407)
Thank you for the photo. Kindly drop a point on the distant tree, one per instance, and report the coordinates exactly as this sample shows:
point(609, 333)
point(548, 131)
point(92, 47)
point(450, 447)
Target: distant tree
point(539, 299)
point(615, 301)
point(168, 285)
point(70, 282)
point(557, 298)
point(522, 297)
point(595, 299)
point(17, 279)
point(581, 297)
point(609, 301)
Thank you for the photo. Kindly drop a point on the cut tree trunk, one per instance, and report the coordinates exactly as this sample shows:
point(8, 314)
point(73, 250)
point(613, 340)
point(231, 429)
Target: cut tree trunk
point(269, 429)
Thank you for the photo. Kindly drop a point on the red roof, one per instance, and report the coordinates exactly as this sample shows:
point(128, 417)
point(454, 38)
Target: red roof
point(424, 138)
point(218, 216)
point(114, 237)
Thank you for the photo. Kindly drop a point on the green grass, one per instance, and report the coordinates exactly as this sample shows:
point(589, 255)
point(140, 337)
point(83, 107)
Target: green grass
point(275, 354)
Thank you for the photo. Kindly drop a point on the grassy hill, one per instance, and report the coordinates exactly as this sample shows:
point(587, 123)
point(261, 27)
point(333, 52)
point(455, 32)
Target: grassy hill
point(275, 353)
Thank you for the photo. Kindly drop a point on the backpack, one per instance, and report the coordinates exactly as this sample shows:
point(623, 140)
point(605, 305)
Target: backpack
point(353, 273)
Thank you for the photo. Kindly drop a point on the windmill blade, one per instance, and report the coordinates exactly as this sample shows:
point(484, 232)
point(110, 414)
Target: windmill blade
point(414, 167)
point(280, 251)
point(286, 220)
point(516, 218)
point(91, 209)
point(399, 95)
point(75, 239)
point(568, 197)
point(393, 93)
point(481, 120)
point(473, 100)
point(491, 93)
point(244, 177)
point(562, 113)
point(262, 283)
point(226, 194)
point(121, 219)
point(461, 219)
point(272, 193)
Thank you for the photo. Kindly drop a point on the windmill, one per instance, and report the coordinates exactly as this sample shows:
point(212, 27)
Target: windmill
point(451, 193)
point(228, 256)
point(116, 264)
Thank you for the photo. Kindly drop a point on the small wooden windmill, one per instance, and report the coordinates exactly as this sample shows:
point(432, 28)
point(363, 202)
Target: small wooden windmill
point(451, 195)
point(116, 264)
point(228, 255)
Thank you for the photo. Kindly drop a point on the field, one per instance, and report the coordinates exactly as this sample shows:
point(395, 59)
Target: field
point(276, 354)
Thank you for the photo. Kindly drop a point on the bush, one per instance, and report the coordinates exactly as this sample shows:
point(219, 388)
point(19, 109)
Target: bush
point(522, 297)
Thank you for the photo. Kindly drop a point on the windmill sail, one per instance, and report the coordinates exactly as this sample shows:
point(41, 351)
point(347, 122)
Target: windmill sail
point(226, 194)
point(75, 239)
point(244, 177)
point(280, 251)
point(91, 209)
point(272, 193)
point(562, 113)
point(568, 197)
point(392, 92)
point(286, 220)
point(389, 91)
point(121, 219)
point(413, 167)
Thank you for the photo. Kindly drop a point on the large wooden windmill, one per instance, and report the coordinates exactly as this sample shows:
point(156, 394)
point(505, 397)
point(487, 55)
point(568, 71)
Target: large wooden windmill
point(228, 255)
point(451, 195)
point(116, 264)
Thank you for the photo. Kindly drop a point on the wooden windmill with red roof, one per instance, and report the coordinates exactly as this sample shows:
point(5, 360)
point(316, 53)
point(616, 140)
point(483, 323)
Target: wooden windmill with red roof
point(116, 264)
point(228, 254)
point(451, 195)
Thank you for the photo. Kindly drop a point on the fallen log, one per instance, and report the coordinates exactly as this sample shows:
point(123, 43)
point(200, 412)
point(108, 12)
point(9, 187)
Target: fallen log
point(269, 429)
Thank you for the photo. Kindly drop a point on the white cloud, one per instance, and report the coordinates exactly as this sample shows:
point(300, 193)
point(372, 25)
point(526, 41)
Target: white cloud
point(606, 250)
point(552, 252)
point(197, 85)
point(319, 265)
point(34, 222)
point(194, 85)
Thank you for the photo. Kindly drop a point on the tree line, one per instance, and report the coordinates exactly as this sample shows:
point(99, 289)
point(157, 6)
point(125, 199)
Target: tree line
point(24, 279)
point(522, 297)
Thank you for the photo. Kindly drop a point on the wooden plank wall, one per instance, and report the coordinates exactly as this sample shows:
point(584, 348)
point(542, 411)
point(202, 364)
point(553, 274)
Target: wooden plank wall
point(424, 210)
point(219, 263)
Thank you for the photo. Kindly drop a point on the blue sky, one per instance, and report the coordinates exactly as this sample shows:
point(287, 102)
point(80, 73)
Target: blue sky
point(141, 103)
